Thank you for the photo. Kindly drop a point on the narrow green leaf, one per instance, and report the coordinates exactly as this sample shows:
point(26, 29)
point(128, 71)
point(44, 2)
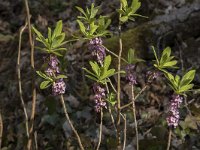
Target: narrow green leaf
point(124, 19)
point(95, 67)
point(155, 54)
point(107, 62)
point(61, 76)
point(89, 72)
point(124, 3)
point(45, 84)
point(170, 64)
point(188, 77)
point(81, 26)
point(49, 35)
point(135, 6)
point(37, 32)
point(82, 11)
point(58, 29)
point(185, 88)
point(91, 77)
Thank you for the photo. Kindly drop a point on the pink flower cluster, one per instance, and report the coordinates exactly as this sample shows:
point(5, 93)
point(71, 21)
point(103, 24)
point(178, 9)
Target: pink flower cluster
point(52, 71)
point(173, 117)
point(99, 97)
point(130, 74)
point(95, 45)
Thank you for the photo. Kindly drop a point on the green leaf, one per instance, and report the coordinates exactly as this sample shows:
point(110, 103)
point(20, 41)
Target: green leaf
point(107, 74)
point(155, 54)
point(94, 11)
point(89, 72)
point(185, 88)
point(124, 19)
point(91, 77)
point(188, 77)
point(124, 3)
point(82, 11)
point(170, 64)
point(44, 76)
point(58, 40)
point(37, 32)
point(81, 26)
point(93, 28)
point(107, 62)
point(49, 35)
point(61, 76)
point(111, 99)
point(95, 67)
point(135, 6)
point(45, 84)
point(58, 29)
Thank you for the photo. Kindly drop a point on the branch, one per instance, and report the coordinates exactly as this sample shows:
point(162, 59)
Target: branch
point(70, 123)
point(169, 139)
point(118, 83)
point(142, 90)
point(124, 145)
point(1, 129)
point(29, 144)
point(19, 79)
point(134, 116)
point(100, 130)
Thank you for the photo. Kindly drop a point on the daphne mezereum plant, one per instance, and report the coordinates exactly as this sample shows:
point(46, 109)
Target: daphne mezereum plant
point(180, 86)
point(53, 47)
point(93, 28)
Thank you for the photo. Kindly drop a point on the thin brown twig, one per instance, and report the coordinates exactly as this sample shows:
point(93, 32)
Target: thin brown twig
point(124, 145)
point(35, 138)
point(134, 116)
point(29, 144)
point(19, 79)
point(119, 83)
point(70, 123)
point(142, 90)
point(1, 129)
point(109, 51)
point(100, 130)
point(109, 109)
point(169, 139)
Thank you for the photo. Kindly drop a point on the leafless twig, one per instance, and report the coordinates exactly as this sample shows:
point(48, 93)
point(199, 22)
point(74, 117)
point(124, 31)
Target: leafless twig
point(70, 123)
point(19, 79)
point(100, 130)
point(124, 117)
point(1, 129)
point(169, 139)
point(134, 116)
point(29, 144)
point(142, 90)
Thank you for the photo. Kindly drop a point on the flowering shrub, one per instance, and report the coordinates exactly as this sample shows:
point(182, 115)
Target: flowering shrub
point(107, 90)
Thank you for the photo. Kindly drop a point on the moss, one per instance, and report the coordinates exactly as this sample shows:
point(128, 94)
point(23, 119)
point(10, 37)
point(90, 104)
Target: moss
point(136, 38)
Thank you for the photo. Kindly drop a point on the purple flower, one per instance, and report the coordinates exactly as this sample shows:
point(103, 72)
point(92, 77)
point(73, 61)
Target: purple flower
point(53, 62)
point(173, 117)
point(95, 45)
point(130, 74)
point(58, 87)
point(152, 75)
point(99, 97)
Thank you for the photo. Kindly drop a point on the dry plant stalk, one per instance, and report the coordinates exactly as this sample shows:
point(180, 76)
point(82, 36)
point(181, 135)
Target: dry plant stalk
point(29, 144)
point(70, 123)
point(100, 130)
point(169, 139)
point(119, 84)
point(1, 129)
point(19, 79)
point(134, 116)
point(124, 145)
